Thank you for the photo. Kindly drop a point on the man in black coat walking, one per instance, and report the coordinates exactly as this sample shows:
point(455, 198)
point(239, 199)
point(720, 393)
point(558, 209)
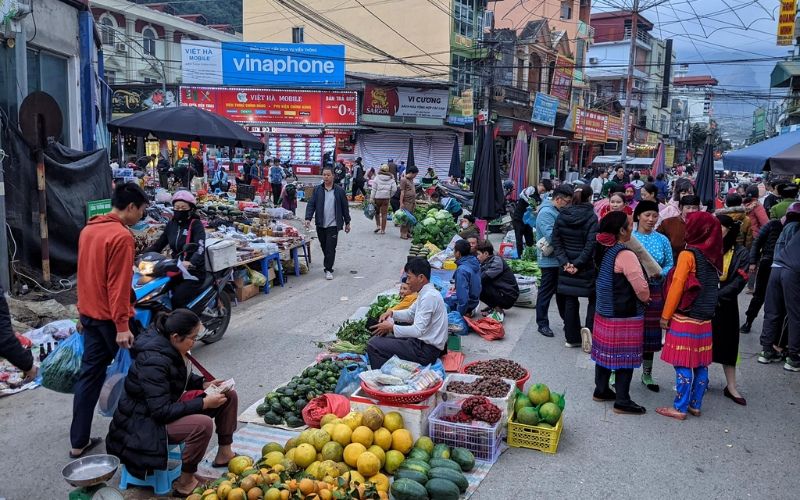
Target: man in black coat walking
point(328, 207)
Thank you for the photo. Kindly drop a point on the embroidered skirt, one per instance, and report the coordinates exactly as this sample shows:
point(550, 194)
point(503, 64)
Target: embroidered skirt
point(652, 318)
point(617, 342)
point(688, 342)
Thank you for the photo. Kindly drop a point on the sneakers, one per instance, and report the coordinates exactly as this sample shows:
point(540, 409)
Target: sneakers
point(546, 331)
point(328, 275)
point(766, 357)
point(792, 363)
point(746, 326)
point(586, 340)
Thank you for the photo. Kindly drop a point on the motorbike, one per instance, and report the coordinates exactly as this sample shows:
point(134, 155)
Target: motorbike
point(288, 173)
point(153, 278)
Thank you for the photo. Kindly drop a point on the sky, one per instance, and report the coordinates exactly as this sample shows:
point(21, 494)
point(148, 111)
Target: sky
point(705, 32)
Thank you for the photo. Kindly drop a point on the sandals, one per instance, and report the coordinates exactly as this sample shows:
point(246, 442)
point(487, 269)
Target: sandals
point(93, 442)
point(181, 494)
point(377, 230)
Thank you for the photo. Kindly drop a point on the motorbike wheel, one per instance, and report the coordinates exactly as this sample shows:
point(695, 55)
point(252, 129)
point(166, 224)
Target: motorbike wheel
point(216, 334)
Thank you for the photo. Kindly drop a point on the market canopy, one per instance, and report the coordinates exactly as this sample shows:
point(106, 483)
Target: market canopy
point(780, 155)
point(186, 123)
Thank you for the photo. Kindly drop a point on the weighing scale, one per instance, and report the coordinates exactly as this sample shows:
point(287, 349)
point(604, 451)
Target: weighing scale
point(89, 475)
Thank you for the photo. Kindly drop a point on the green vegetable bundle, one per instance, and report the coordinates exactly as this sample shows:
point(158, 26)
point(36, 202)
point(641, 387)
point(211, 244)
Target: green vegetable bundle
point(524, 267)
point(354, 332)
point(61, 369)
point(529, 254)
point(381, 305)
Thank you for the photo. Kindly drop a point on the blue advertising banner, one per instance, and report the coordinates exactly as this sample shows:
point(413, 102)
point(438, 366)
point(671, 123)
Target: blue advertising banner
point(286, 65)
point(544, 109)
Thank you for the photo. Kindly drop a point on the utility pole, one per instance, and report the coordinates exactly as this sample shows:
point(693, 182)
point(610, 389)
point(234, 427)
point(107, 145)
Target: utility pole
point(626, 119)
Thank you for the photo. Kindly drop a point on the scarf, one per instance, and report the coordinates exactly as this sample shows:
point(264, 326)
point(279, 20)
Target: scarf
point(704, 233)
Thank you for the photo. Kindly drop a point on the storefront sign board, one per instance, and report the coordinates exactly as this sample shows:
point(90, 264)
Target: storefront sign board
point(129, 99)
point(616, 127)
point(98, 207)
point(545, 108)
point(405, 101)
point(591, 125)
point(275, 107)
point(291, 65)
point(786, 22)
point(562, 78)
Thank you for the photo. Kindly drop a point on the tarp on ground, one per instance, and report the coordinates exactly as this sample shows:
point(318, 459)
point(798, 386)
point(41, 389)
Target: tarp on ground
point(780, 155)
point(73, 179)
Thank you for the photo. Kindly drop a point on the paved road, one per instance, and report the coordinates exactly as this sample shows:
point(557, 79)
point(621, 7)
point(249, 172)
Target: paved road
point(728, 452)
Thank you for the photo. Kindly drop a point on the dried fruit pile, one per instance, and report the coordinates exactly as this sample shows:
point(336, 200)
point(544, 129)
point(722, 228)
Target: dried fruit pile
point(478, 408)
point(504, 368)
point(492, 387)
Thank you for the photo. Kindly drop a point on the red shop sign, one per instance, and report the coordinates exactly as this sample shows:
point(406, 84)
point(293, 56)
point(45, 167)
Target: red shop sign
point(275, 107)
point(380, 100)
point(615, 128)
point(591, 125)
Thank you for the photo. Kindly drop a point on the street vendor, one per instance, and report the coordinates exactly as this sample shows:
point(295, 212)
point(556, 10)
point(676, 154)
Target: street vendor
point(424, 340)
point(164, 402)
point(184, 228)
point(468, 280)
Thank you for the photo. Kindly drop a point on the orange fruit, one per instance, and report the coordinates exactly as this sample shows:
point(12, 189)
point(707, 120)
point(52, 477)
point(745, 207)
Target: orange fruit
point(351, 453)
point(402, 441)
point(363, 435)
point(368, 464)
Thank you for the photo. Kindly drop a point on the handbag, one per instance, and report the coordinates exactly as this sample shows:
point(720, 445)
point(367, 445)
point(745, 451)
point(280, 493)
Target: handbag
point(196, 393)
point(544, 246)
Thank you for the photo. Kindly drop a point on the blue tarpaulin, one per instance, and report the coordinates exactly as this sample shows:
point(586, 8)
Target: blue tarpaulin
point(757, 157)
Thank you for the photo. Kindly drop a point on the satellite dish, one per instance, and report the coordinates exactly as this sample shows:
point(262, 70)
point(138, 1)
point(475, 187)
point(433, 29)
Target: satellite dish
point(39, 118)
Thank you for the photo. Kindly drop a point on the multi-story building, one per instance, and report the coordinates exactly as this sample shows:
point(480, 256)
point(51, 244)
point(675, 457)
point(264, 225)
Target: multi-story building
point(692, 103)
point(141, 43)
point(413, 38)
point(786, 75)
point(607, 68)
point(568, 18)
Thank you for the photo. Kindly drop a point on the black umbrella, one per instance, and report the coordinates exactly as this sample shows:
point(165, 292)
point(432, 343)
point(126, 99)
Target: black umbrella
point(488, 188)
point(705, 187)
point(186, 123)
point(455, 161)
point(410, 159)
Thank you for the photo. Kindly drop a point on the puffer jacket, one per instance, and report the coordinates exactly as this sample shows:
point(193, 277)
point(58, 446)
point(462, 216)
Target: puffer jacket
point(764, 245)
point(383, 188)
point(468, 286)
point(496, 273)
point(545, 222)
point(151, 400)
point(574, 237)
point(739, 214)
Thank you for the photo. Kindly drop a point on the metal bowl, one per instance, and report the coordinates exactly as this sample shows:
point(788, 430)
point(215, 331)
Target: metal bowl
point(90, 470)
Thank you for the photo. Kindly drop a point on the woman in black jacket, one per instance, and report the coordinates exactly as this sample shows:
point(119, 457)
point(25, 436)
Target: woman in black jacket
point(523, 231)
point(725, 324)
point(184, 228)
point(574, 236)
point(151, 412)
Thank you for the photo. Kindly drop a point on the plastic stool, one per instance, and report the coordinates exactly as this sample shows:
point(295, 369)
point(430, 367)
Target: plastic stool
point(161, 480)
point(306, 247)
point(265, 264)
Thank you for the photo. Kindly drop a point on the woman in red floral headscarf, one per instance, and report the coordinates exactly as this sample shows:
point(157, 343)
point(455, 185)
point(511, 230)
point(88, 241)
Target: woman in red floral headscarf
point(689, 307)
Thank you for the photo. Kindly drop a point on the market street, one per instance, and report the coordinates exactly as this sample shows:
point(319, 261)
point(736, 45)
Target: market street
point(730, 451)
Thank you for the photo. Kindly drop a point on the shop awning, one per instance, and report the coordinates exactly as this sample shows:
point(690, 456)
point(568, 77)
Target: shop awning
point(640, 162)
point(783, 72)
point(780, 155)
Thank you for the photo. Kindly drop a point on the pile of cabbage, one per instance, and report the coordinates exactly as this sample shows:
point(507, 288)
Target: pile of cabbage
point(438, 227)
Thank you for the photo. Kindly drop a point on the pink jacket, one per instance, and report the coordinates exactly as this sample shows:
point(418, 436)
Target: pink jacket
point(758, 217)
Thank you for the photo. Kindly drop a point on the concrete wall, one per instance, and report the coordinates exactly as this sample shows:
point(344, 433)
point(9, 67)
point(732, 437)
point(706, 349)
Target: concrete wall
point(515, 13)
point(420, 21)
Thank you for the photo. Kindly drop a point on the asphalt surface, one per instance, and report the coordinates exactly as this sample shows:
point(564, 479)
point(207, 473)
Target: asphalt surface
point(731, 451)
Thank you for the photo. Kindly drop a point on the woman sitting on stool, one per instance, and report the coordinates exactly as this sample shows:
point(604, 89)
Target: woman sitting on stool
point(153, 411)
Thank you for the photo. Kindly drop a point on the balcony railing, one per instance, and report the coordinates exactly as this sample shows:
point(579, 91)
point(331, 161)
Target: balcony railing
point(512, 94)
point(641, 35)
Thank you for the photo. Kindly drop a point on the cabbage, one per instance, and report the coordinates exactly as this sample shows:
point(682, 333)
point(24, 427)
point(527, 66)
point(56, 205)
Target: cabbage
point(430, 221)
point(444, 213)
point(444, 216)
point(432, 212)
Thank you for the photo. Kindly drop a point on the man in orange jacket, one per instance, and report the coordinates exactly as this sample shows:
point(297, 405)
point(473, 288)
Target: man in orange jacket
point(105, 269)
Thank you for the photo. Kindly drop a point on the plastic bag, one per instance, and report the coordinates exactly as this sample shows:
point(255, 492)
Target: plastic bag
point(322, 405)
point(369, 211)
point(488, 328)
point(456, 324)
point(349, 380)
point(529, 217)
point(527, 291)
point(60, 370)
point(400, 368)
point(115, 383)
point(410, 220)
point(256, 278)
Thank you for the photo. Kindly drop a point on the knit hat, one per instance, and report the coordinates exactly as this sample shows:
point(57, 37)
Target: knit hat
point(384, 169)
point(644, 206)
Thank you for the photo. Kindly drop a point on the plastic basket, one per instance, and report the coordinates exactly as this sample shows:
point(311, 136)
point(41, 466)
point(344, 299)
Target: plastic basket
point(481, 438)
point(410, 398)
point(535, 438)
point(506, 403)
point(520, 381)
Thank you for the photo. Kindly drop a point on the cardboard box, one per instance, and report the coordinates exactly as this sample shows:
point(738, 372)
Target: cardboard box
point(246, 292)
point(415, 416)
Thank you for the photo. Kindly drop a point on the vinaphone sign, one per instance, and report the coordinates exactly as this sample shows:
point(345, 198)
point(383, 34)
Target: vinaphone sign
point(274, 64)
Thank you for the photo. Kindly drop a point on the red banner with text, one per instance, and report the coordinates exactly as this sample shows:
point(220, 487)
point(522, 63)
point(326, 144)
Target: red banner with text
point(591, 125)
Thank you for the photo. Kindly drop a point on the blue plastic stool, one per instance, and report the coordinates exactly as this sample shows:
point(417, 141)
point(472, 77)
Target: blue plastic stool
point(265, 264)
point(161, 480)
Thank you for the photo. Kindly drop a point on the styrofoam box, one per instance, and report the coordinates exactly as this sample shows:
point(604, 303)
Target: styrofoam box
point(415, 416)
point(221, 254)
point(506, 404)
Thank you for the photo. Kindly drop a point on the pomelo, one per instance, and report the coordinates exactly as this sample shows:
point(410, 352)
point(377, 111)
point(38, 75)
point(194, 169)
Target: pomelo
point(528, 416)
point(522, 402)
point(538, 394)
point(550, 413)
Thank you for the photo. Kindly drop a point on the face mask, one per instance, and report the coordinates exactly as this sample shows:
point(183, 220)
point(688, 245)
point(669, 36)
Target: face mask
point(182, 215)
